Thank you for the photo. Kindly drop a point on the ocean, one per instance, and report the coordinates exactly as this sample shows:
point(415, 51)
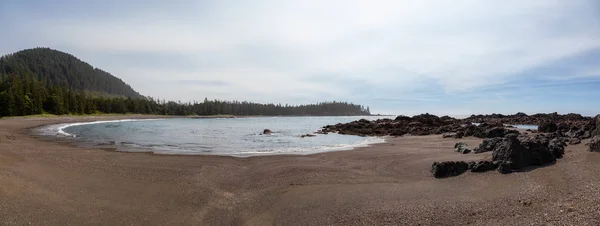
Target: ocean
point(213, 136)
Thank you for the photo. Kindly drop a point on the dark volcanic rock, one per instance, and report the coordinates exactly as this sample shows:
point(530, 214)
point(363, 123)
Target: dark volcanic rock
point(596, 131)
point(594, 145)
point(505, 167)
point(547, 127)
point(471, 164)
point(487, 144)
point(574, 141)
point(483, 166)
point(459, 135)
point(402, 118)
point(449, 168)
point(527, 152)
point(462, 148)
point(569, 125)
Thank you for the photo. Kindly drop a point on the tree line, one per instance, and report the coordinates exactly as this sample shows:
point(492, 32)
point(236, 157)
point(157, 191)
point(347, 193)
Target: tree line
point(25, 95)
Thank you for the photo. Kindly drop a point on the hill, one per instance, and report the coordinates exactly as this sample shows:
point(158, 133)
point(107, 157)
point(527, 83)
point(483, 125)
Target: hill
point(56, 68)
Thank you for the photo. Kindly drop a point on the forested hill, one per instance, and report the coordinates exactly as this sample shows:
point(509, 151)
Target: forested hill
point(56, 68)
point(21, 95)
point(42, 80)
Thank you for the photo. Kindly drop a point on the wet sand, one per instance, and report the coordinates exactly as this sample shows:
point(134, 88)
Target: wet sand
point(52, 183)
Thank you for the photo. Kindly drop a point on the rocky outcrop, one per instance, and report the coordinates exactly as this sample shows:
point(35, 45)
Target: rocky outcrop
point(266, 131)
point(574, 141)
point(570, 125)
point(462, 148)
point(418, 125)
point(594, 145)
point(548, 127)
point(596, 130)
point(526, 152)
point(505, 167)
point(487, 144)
point(483, 166)
point(448, 168)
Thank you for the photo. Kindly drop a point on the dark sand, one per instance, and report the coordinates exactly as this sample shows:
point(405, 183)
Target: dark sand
point(49, 183)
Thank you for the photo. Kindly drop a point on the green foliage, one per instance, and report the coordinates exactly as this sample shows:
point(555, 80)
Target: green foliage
point(21, 95)
point(42, 80)
point(55, 68)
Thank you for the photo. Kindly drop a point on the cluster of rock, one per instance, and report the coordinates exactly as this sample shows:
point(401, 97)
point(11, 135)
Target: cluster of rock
point(511, 150)
point(536, 119)
point(455, 168)
point(573, 126)
point(510, 153)
point(424, 124)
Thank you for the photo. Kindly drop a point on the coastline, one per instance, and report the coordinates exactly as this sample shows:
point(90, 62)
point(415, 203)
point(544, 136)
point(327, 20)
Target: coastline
point(46, 182)
point(68, 121)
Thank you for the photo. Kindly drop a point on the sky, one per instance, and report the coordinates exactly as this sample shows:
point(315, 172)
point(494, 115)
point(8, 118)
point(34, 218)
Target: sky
point(455, 58)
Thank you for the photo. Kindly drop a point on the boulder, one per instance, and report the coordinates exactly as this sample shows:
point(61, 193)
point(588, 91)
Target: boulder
point(594, 145)
point(402, 118)
point(557, 147)
point(505, 167)
point(527, 151)
point(596, 131)
point(487, 144)
point(267, 131)
point(574, 141)
point(471, 164)
point(483, 166)
point(459, 135)
point(462, 148)
point(448, 168)
point(547, 127)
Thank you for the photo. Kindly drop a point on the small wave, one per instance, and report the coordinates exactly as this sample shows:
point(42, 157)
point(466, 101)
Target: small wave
point(312, 150)
point(61, 129)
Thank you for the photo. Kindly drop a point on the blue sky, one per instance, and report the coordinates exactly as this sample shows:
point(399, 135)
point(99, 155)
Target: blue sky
point(400, 57)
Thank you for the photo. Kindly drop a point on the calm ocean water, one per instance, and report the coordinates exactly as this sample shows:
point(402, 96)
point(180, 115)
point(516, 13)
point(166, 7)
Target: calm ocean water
point(218, 136)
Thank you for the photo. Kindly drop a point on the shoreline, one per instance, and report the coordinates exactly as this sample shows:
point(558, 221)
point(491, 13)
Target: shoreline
point(74, 143)
point(47, 182)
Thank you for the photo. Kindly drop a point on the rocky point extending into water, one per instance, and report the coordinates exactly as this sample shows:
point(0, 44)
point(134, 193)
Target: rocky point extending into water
point(569, 125)
point(511, 150)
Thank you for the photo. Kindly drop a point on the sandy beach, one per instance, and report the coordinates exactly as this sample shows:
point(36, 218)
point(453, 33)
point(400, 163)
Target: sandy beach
point(53, 183)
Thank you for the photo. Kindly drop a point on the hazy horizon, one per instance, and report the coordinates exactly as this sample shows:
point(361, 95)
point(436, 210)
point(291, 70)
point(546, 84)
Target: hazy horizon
point(397, 57)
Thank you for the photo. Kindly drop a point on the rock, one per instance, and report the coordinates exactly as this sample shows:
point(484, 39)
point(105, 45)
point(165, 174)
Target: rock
point(594, 145)
point(462, 148)
point(267, 131)
point(574, 141)
point(448, 168)
point(459, 135)
point(307, 135)
point(488, 144)
point(557, 147)
point(483, 166)
point(596, 131)
point(471, 164)
point(448, 135)
point(527, 152)
point(504, 167)
point(402, 118)
point(586, 135)
point(547, 127)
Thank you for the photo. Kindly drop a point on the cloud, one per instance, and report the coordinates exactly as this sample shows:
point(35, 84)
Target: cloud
point(203, 82)
point(391, 54)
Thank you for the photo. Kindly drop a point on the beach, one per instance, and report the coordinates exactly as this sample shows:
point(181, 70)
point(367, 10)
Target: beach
point(54, 183)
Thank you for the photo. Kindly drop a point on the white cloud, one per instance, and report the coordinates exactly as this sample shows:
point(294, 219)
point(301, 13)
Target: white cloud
point(265, 48)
